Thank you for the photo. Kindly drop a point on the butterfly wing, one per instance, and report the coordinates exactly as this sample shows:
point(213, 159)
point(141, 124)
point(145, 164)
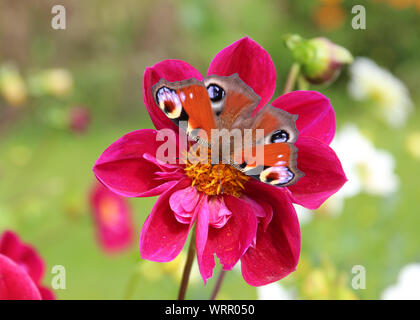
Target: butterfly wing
point(228, 103)
point(271, 156)
point(277, 125)
point(273, 163)
point(231, 99)
point(186, 101)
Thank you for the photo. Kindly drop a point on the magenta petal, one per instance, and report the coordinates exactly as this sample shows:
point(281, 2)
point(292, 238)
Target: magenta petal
point(113, 218)
point(316, 115)
point(162, 236)
point(205, 262)
point(324, 175)
point(15, 282)
point(32, 262)
point(184, 200)
point(233, 239)
point(23, 254)
point(183, 203)
point(262, 210)
point(46, 293)
point(277, 248)
point(238, 233)
point(170, 70)
point(253, 65)
point(219, 214)
point(123, 169)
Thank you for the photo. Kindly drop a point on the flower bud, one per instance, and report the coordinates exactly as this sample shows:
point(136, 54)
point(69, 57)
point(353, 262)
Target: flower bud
point(321, 60)
point(12, 85)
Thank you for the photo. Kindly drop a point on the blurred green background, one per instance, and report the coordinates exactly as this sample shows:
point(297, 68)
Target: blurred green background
point(45, 168)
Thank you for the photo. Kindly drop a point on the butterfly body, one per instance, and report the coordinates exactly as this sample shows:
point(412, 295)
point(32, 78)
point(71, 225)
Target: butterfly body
point(218, 112)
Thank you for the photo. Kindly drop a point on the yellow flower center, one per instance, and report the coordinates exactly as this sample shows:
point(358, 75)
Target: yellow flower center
point(214, 179)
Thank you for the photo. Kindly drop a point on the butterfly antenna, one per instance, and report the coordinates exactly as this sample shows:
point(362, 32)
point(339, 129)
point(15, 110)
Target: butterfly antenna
point(220, 181)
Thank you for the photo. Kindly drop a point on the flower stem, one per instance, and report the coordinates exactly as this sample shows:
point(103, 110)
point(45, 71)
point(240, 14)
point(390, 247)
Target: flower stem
point(302, 83)
point(131, 285)
point(218, 284)
point(187, 268)
point(291, 78)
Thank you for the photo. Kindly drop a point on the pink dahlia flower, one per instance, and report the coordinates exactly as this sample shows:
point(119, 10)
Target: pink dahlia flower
point(21, 271)
point(112, 216)
point(251, 221)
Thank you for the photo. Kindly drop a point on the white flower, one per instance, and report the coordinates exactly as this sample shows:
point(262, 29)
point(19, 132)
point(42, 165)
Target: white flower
point(367, 169)
point(407, 287)
point(371, 82)
point(304, 215)
point(273, 291)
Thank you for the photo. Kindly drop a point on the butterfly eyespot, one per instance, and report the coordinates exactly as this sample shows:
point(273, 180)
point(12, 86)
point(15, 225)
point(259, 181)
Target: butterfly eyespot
point(169, 102)
point(162, 94)
point(216, 93)
point(277, 175)
point(279, 136)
